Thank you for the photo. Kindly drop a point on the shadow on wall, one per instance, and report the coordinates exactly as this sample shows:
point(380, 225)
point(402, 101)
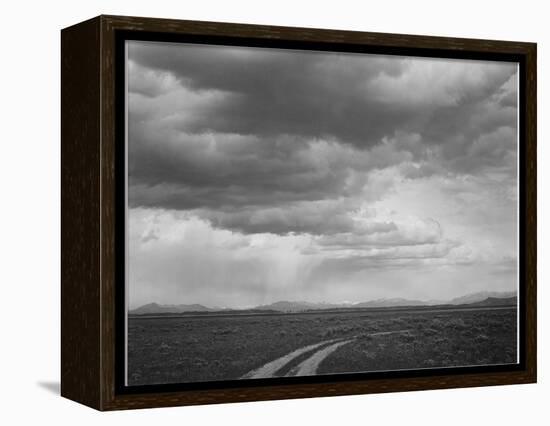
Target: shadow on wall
point(53, 387)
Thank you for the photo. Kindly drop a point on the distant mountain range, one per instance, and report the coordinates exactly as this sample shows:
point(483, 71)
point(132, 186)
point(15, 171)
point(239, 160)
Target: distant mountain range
point(285, 306)
point(482, 295)
point(155, 308)
point(483, 298)
point(397, 301)
point(495, 301)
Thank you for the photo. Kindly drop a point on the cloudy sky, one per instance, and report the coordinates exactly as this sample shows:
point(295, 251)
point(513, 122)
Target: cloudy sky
point(257, 175)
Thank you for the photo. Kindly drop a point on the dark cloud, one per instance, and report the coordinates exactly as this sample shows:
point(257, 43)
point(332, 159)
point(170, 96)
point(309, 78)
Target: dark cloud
point(265, 140)
point(225, 171)
point(347, 96)
point(277, 91)
point(326, 217)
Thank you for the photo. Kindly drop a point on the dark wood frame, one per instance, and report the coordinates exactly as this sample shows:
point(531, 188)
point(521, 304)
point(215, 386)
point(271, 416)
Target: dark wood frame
point(89, 209)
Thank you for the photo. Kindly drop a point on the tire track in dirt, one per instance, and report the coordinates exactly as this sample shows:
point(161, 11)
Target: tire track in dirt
point(269, 369)
point(310, 365)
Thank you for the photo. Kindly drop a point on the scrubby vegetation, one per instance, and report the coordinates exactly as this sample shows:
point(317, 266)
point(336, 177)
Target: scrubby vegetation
point(443, 340)
point(170, 350)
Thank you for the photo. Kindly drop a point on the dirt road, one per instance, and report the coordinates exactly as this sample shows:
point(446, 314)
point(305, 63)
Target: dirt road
point(317, 353)
point(310, 365)
point(269, 369)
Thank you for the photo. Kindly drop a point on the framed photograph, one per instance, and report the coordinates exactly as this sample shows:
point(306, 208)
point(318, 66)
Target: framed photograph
point(254, 212)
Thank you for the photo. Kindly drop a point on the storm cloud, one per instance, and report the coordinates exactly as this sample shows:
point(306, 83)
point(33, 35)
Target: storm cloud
point(306, 162)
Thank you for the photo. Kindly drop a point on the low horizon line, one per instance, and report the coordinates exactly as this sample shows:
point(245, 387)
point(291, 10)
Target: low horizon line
point(515, 291)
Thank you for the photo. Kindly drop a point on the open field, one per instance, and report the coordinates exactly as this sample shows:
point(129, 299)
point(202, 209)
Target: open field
point(210, 347)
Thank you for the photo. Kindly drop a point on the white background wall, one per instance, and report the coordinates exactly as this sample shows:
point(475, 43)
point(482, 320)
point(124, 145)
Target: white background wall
point(30, 212)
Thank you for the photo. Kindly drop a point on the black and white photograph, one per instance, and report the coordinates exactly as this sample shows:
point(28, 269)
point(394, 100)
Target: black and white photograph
point(301, 213)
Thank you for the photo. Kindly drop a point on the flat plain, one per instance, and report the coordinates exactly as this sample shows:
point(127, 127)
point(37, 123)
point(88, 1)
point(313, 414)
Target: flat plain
point(210, 347)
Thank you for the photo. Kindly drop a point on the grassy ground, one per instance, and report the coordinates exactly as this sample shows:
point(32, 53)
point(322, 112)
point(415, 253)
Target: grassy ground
point(440, 340)
point(171, 350)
